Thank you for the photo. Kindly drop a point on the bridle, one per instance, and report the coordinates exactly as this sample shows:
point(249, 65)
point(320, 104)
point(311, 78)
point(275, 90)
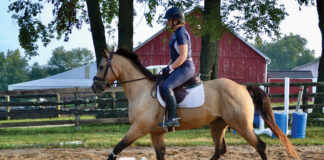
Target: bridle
point(108, 84)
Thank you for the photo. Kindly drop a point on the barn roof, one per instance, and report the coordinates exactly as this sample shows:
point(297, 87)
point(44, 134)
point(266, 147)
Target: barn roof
point(290, 74)
point(306, 65)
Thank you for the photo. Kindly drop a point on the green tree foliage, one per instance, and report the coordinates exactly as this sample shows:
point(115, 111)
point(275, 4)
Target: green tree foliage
point(62, 60)
point(13, 68)
point(3, 66)
point(37, 72)
point(67, 14)
point(287, 52)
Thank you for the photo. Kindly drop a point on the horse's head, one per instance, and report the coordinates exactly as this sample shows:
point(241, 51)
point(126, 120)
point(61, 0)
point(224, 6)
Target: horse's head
point(106, 74)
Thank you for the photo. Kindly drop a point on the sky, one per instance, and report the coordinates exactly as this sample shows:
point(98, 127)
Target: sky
point(303, 22)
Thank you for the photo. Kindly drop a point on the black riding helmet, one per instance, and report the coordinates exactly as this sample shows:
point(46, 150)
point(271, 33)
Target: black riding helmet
point(175, 13)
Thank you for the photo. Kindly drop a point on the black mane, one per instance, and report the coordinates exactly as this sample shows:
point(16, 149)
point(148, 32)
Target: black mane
point(133, 57)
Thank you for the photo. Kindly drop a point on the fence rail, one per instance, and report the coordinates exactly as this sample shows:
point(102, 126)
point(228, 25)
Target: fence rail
point(292, 84)
point(56, 102)
point(306, 95)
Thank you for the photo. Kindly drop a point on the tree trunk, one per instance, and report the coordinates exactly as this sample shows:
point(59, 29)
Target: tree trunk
point(125, 25)
point(320, 10)
point(97, 29)
point(210, 46)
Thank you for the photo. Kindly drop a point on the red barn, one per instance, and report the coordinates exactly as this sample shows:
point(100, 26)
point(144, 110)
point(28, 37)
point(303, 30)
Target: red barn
point(238, 60)
point(294, 76)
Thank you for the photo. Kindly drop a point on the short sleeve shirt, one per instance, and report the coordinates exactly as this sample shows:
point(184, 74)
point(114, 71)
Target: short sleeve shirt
point(179, 37)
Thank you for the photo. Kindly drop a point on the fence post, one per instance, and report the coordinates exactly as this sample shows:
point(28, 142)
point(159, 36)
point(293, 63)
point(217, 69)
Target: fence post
point(96, 104)
point(58, 100)
point(286, 102)
point(113, 103)
point(305, 99)
point(77, 108)
point(8, 108)
point(300, 95)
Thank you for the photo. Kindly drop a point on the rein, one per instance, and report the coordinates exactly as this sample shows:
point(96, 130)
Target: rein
point(108, 84)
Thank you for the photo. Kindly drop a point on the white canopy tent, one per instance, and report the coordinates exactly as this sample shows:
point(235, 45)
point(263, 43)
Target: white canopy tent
point(79, 77)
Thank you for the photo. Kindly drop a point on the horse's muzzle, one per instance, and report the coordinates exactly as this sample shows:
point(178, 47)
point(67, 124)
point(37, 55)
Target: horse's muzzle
point(97, 87)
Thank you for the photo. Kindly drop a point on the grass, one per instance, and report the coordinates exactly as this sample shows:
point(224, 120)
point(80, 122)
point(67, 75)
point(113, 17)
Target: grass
point(109, 135)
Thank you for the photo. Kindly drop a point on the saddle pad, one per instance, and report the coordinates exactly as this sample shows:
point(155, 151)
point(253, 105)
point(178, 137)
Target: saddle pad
point(195, 97)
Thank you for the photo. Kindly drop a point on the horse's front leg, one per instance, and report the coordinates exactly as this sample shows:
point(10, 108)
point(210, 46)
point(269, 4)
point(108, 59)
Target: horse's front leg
point(135, 132)
point(159, 146)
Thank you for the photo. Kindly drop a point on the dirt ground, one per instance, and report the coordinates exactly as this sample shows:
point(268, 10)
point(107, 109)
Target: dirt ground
point(241, 152)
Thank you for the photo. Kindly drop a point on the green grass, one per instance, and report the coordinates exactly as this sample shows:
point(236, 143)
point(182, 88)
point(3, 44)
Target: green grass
point(109, 135)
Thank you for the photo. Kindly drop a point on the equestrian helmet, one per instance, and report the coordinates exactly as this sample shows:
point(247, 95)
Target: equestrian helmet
point(175, 13)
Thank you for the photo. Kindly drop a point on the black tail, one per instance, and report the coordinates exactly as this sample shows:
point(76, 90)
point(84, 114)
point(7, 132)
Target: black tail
point(263, 105)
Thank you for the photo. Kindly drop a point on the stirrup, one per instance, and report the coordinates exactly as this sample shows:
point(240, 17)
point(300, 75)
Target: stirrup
point(166, 128)
point(174, 122)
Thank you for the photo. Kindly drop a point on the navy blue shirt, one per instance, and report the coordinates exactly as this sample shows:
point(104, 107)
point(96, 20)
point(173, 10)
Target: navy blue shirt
point(179, 37)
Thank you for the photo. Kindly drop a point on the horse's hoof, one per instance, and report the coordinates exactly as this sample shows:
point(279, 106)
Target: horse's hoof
point(112, 157)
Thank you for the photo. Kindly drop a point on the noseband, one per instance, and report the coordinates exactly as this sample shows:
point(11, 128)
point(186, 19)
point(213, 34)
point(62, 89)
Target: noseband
point(108, 84)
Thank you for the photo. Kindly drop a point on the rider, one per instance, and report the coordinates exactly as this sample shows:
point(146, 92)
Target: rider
point(181, 67)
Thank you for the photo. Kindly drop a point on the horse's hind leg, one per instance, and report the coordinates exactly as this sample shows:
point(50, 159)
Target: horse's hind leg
point(217, 129)
point(159, 146)
point(132, 135)
point(253, 140)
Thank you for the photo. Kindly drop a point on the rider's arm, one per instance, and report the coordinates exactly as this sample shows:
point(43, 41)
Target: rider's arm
point(183, 49)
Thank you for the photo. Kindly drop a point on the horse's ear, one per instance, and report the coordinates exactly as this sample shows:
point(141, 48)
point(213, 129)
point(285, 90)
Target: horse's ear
point(105, 53)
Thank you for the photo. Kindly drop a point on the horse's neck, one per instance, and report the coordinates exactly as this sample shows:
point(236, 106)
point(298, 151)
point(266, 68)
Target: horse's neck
point(134, 88)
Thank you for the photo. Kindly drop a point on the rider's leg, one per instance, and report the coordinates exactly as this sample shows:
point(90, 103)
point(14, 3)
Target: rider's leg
point(171, 106)
point(175, 79)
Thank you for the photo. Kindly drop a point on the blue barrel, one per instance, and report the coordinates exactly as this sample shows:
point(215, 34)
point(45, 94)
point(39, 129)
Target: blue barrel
point(281, 121)
point(298, 128)
point(256, 120)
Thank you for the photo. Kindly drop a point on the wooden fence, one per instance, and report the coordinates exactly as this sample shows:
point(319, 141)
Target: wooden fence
point(47, 103)
point(80, 101)
point(306, 95)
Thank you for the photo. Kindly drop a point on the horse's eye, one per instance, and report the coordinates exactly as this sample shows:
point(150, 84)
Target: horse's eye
point(100, 67)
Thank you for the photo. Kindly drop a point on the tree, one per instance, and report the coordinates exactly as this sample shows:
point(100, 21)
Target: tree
point(67, 15)
point(210, 39)
point(3, 65)
point(253, 17)
point(14, 68)
point(287, 52)
point(62, 60)
point(320, 89)
point(125, 24)
point(37, 72)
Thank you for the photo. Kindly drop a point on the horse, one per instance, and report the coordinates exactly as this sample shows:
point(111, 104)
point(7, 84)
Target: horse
point(227, 104)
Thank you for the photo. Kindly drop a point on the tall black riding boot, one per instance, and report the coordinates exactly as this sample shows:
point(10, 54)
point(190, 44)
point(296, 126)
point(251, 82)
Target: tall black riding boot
point(171, 106)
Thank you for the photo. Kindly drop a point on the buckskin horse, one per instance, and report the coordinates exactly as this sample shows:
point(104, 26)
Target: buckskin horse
point(227, 104)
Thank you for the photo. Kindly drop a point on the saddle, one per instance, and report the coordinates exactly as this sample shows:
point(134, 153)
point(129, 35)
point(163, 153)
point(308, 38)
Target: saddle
point(181, 92)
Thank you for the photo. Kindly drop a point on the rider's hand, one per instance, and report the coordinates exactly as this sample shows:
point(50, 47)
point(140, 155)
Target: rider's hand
point(166, 71)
